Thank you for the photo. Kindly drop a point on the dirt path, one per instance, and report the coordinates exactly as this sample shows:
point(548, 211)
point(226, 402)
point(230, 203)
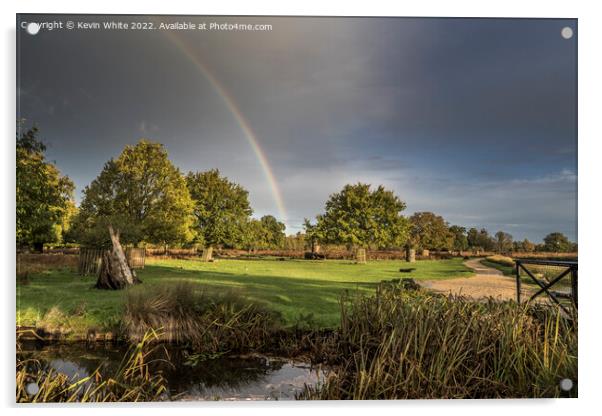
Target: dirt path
point(487, 282)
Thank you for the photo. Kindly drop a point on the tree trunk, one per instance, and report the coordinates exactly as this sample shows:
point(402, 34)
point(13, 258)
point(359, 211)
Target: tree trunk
point(360, 256)
point(207, 254)
point(115, 273)
point(410, 255)
point(315, 247)
point(38, 247)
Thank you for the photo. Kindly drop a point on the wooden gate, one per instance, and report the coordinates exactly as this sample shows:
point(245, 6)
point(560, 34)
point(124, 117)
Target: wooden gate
point(552, 274)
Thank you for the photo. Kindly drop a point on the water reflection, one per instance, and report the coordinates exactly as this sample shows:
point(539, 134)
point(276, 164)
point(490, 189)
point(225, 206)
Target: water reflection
point(223, 378)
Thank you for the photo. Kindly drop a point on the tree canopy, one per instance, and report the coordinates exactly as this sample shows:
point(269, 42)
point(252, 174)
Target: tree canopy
point(503, 242)
point(527, 246)
point(147, 200)
point(44, 196)
point(142, 195)
point(430, 231)
point(557, 242)
point(264, 233)
point(459, 238)
point(273, 231)
point(480, 239)
point(221, 208)
point(361, 217)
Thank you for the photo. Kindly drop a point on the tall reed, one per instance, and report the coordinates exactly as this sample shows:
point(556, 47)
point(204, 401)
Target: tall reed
point(413, 345)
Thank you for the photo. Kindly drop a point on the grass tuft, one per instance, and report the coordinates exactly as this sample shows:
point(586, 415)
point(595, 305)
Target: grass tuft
point(209, 320)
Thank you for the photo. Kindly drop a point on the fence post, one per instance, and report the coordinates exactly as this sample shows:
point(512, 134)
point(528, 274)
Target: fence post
point(574, 285)
point(518, 282)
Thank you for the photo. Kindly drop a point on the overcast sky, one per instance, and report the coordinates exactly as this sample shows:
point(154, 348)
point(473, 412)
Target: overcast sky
point(474, 119)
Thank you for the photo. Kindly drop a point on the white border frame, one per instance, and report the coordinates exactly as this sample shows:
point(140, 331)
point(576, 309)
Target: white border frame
point(590, 69)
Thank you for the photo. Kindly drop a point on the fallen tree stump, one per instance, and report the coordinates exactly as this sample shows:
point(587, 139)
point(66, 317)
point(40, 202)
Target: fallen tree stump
point(115, 273)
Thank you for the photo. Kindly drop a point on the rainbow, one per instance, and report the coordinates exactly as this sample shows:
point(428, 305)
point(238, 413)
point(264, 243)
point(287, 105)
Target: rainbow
point(240, 119)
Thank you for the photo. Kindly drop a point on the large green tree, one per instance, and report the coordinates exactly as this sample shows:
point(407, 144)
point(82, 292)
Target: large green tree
point(358, 216)
point(142, 195)
point(430, 231)
point(44, 196)
point(221, 208)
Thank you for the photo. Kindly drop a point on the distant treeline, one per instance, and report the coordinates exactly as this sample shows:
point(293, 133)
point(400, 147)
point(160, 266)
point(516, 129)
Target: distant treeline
point(153, 204)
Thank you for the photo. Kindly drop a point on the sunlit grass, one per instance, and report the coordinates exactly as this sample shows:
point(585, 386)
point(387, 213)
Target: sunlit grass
point(294, 288)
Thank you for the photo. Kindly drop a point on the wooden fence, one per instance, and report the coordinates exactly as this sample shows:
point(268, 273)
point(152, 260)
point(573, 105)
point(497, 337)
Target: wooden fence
point(90, 260)
point(135, 257)
point(164, 251)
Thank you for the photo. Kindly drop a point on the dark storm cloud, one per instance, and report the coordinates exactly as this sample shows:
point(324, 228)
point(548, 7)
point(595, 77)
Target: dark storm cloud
point(471, 118)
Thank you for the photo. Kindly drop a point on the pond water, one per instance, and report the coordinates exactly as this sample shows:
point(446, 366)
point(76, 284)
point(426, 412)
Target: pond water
point(189, 376)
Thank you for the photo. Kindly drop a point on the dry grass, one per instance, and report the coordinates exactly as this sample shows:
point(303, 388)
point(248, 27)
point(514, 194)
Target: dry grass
point(503, 260)
point(545, 255)
point(37, 263)
point(210, 321)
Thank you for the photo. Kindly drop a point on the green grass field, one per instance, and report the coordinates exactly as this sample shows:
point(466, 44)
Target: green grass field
point(62, 300)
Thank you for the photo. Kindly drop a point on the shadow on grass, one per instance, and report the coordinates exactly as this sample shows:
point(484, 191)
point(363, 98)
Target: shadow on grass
point(295, 295)
point(292, 296)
